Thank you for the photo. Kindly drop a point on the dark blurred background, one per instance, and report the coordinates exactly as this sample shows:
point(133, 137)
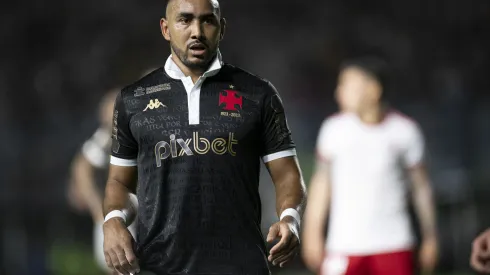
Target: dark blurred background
point(58, 57)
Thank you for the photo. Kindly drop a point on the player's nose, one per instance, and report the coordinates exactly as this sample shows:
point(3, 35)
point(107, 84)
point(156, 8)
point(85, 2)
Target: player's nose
point(197, 30)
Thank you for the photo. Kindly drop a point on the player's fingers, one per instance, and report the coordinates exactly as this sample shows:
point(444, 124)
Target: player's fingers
point(133, 265)
point(486, 264)
point(115, 261)
point(287, 258)
point(108, 260)
point(477, 263)
point(287, 254)
point(286, 236)
point(293, 245)
point(478, 244)
point(273, 232)
point(481, 243)
point(284, 258)
point(122, 265)
point(280, 248)
point(484, 254)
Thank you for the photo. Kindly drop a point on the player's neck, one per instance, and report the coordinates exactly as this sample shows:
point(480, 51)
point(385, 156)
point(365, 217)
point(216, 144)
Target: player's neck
point(194, 73)
point(372, 116)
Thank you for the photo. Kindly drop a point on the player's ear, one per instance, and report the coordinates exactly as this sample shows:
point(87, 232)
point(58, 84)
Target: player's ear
point(164, 29)
point(223, 28)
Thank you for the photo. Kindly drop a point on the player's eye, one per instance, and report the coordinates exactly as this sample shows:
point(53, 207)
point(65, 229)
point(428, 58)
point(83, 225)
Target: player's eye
point(209, 20)
point(185, 20)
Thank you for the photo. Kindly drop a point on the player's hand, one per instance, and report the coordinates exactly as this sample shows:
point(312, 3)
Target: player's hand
point(480, 253)
point(428, 255)
point(288, 245)
point(118, 247)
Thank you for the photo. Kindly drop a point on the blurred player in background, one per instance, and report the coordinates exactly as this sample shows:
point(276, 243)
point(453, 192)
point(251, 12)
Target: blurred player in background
point(89, 173)
point(364, 153)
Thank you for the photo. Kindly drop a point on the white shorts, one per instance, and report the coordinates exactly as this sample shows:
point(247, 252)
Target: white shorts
point(99, 238)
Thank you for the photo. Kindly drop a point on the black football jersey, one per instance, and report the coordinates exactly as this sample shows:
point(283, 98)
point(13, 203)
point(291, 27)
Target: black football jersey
point(198, 174)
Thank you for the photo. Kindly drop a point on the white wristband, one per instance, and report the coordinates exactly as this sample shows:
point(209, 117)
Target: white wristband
point(115, 214)
point(291, 212)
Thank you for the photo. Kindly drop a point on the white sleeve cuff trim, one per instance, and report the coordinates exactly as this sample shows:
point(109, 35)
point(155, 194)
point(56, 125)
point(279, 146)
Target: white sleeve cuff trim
point(278, 155)
point(123, 162)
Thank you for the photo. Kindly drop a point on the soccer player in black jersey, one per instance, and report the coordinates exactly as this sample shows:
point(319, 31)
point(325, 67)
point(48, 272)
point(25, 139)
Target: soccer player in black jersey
point(192, 134)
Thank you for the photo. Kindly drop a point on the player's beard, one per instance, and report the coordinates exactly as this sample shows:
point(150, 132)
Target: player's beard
point(183, 56)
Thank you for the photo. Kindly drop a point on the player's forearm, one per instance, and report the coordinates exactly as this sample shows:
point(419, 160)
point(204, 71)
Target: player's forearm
point(313, 242)
point(313, 234)
point(315, 217)
point(425, 209)
point(290, 192)
point(116, 196)
point(316, 212)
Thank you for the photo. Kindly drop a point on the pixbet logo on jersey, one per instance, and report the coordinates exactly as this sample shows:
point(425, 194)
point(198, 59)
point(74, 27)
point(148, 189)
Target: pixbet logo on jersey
point(200, 145)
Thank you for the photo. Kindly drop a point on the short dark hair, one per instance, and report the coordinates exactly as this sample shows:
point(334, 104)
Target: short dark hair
point(374, 66)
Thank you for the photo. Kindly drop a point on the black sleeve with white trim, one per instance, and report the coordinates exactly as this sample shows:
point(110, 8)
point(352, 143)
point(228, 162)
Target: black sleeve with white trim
point(124, 149)
point(276, 136)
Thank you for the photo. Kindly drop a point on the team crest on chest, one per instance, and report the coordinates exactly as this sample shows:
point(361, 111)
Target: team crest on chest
point(230, 102)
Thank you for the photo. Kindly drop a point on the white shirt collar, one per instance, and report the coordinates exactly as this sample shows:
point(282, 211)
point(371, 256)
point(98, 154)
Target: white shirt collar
point(175, 72)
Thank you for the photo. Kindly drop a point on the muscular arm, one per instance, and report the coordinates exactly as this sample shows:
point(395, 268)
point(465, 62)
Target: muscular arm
point(290, 187)
point(315, 217)
point(118, 242)
point(83, 176)
point(121, 182)
point(423, 201)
